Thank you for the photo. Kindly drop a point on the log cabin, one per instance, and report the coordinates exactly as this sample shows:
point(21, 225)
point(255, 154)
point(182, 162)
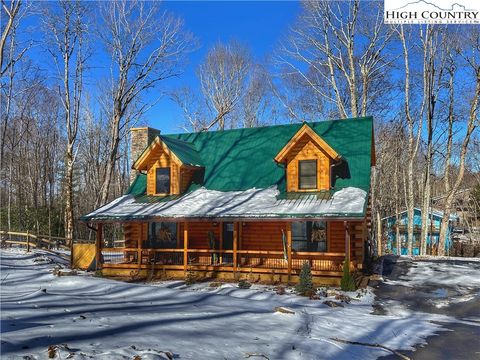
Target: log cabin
point(253, 203)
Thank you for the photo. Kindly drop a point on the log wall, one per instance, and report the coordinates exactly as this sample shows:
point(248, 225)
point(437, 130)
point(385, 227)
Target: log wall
point(306, 149)
point(264, 235)
point(157, 159)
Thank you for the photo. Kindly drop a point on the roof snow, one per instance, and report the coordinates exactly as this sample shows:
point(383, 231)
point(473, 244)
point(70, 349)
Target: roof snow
point(251, 203)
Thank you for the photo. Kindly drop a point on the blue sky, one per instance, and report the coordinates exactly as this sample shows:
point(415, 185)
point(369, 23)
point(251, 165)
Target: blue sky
point(258, 24)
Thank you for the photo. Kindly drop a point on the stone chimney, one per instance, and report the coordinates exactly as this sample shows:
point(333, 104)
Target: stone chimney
point(141, 137)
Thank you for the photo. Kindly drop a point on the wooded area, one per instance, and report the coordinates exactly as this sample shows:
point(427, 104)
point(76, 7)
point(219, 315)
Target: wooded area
point(65, 143)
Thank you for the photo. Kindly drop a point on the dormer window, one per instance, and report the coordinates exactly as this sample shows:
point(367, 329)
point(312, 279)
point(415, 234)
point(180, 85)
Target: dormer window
point(307, 158)
point(162, 180)
point(307, 174)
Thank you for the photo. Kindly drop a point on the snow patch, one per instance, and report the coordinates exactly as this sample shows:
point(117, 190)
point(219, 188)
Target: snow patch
point(102, 319)
point(249, 203)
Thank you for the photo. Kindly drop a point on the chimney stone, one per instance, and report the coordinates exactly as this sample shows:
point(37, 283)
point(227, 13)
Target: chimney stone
point(141, 137)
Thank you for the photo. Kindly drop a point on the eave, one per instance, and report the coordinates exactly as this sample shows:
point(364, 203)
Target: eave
point(306, 130)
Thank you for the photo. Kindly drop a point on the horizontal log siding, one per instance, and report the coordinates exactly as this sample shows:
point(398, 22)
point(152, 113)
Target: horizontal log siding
point(132, 234)
point(198, 234)
point(186, 175)
point(263, 235)
point(337, 238)
point(336, 234)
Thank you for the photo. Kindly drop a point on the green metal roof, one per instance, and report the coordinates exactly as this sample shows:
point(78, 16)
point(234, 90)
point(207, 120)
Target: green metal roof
point(185, 151)
point(242, 159)
point(139, 185)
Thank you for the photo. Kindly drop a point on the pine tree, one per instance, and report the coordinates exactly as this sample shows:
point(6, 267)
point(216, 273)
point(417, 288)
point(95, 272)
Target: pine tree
point(305, 285)
point(347, 283)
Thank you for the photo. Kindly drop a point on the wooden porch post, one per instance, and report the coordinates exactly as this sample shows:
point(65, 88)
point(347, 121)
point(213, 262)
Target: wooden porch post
point(235, 245)
point(98, 246)
point(347, 244)
point(240, 235)
point(28, 241)
point(289, 249)
point(185, 246)
point(140, 245)
point(220, 245)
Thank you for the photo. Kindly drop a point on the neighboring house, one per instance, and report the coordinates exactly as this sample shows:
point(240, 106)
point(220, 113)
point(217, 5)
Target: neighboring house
point(467, 208)
point(389, 225)
point(255, 202)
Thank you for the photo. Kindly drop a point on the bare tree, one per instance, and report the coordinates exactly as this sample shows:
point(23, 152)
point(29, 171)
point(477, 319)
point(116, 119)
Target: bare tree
point(414, 132)
point(452, 185)
point(10, 54)
point(10, 14)
point(435, 50)
point(236, 91)
point(340, 53)
point(256, 100)
point(67, 29)
point(195, 116)
point(223, 78)
point(146, 47)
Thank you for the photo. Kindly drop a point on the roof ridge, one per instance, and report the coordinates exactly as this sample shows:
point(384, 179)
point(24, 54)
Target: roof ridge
point(309, 123)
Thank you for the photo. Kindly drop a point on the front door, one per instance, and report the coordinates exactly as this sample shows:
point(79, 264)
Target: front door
point(227, 242)
point(227, 236)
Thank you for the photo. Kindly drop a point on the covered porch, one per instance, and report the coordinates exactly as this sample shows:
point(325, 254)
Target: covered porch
point(231, 249)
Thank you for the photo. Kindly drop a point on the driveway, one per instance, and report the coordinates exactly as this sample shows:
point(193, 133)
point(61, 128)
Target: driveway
point(442, 287)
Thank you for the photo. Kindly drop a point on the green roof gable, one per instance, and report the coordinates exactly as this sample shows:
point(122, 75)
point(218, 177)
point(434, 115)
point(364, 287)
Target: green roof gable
point(242, 159)
point(138, 186)
point(185, 151)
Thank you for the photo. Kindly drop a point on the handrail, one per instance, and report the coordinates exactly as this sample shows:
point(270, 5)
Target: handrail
point(210, 251)
point(247, 252)
point(43, 238)
point(260, 252)
point(311, 253)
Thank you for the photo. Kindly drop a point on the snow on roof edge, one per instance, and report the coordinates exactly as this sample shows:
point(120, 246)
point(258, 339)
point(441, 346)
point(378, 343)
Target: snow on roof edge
point(252, 203)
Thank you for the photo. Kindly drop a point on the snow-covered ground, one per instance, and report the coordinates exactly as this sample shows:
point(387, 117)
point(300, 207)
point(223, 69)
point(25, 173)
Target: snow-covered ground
point(445, 280)
point(92, 317)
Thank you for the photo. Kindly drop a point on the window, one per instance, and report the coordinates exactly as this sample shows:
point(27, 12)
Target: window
point(309, 236)
point(162, 235)
point(162, 180)
point(307, 174)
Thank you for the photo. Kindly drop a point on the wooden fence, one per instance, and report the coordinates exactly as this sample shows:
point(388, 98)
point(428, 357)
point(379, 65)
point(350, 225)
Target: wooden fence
point(29, 241)
point(47, 242)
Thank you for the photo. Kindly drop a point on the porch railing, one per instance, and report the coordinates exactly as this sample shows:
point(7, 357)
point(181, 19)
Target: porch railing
point(207, 257)
point(318, 261)
point(246, 260)
point(262, 259)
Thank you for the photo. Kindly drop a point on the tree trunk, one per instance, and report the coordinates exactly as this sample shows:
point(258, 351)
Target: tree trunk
point(380, 244)
point(69, 223)
point(110, 166)
point(472, 124)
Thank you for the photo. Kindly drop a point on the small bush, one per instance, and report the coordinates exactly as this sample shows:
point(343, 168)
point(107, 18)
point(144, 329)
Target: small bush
point(190, 279)
point(244, 284)
point(280, 290)
point(347, 283)
point(215, 284)
point(305, 285)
